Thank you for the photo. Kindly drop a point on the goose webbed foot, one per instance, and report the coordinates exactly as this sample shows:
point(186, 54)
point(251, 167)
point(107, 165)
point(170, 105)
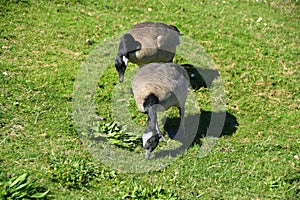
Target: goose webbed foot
point(162, 138)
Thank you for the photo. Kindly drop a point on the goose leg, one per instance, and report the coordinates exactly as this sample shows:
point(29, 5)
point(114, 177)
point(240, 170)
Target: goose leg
point(181, 111)
point(181, 126)
point(159, 133)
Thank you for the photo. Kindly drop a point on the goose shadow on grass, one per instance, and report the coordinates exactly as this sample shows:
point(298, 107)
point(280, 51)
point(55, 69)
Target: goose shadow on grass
point(200, 77)
point(198, 126)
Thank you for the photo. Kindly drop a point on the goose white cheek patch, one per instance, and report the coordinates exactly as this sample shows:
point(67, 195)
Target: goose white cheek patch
point(125, 60)
point(146, 137)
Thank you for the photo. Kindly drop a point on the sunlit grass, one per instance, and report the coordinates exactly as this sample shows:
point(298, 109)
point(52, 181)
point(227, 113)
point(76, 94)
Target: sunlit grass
point(255, 48)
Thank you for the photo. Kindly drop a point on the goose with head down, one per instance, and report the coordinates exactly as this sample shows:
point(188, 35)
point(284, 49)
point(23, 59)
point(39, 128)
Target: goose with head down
point(157, 87)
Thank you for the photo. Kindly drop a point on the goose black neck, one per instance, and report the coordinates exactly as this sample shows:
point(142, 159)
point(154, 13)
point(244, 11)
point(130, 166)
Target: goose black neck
point(150, 107)
point(127, 45)
point(149, 101)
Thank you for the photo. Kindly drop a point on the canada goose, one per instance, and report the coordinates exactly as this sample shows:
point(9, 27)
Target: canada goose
point(145, 43)
point(157, 87)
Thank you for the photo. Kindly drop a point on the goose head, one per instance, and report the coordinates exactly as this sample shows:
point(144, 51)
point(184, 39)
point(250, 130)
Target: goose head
point(150, 142)
point(127, 45)
point(121, 63)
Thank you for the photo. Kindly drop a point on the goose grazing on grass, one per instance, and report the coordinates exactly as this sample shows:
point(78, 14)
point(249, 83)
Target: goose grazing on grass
point(157, 87)
point(145, 43)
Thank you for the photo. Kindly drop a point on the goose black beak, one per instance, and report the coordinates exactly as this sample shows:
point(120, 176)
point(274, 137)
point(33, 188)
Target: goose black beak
point(148, 152)
point(121, 77)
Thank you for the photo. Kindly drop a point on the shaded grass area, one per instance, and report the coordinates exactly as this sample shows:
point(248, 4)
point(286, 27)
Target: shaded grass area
point(255, 45)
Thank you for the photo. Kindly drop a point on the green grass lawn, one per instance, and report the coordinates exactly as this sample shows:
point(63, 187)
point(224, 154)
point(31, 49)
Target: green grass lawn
point(255, 47)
